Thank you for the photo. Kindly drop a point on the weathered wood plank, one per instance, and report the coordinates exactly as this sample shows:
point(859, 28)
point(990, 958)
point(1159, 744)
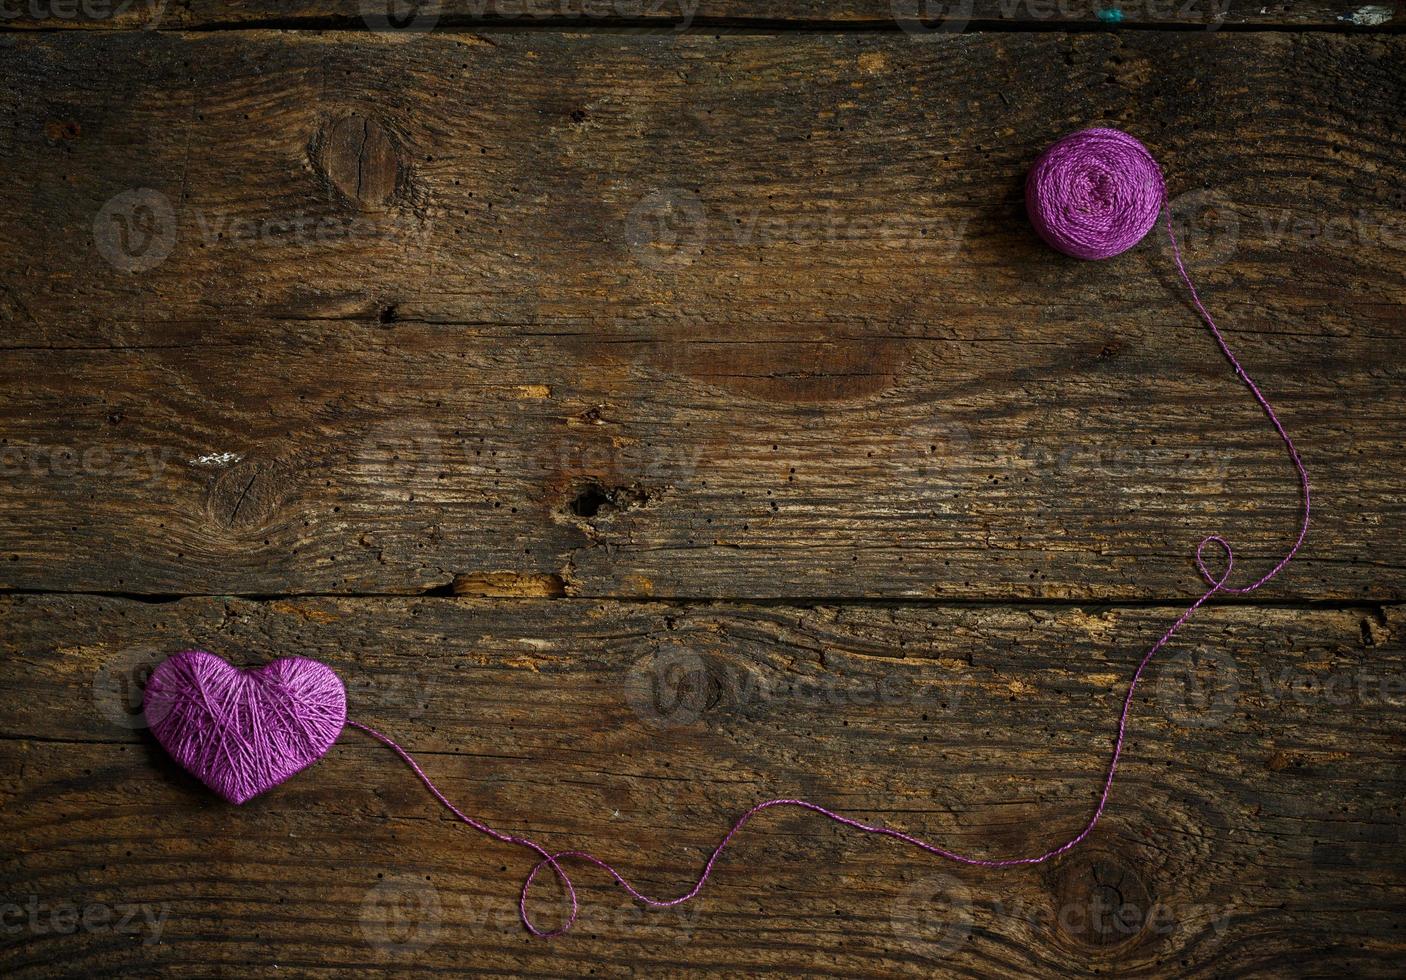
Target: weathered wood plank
point(418, 324)
point(1256, 827)
point(866, 176)
point(920, 19)
point(358, 463)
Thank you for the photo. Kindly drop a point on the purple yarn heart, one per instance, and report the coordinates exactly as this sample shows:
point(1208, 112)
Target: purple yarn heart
point(242, 732)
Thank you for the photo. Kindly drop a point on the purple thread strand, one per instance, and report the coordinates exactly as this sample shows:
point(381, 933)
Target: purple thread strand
point(1089, 196)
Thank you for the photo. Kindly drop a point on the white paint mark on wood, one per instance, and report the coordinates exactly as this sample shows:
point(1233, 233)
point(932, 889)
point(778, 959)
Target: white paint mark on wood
point(1369, 16)
point(217, 459)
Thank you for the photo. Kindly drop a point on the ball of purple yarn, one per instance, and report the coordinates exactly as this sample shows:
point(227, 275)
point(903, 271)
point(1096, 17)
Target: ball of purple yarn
point(1094, 194)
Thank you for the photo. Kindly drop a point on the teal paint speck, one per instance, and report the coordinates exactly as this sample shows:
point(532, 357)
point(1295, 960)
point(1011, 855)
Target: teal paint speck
point(1111, 16)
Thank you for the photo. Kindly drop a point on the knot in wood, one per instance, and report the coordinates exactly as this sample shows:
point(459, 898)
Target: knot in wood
point(1101, 902)
point(360, 159)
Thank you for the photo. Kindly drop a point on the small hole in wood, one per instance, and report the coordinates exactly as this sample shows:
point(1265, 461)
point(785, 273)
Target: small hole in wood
point(589, 501)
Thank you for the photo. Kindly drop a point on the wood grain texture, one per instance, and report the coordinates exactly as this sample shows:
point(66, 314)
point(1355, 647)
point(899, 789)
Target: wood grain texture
point(722, 317)
point(647, 424)
point(1256, 827)
point(920, 19)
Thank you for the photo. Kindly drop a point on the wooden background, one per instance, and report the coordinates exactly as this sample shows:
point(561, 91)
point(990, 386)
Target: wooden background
point(649, 421)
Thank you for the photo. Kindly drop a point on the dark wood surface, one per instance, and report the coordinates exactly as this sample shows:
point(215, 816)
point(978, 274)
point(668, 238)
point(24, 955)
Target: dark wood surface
point(919, 18)
point(645, 424)
point(1256, 827)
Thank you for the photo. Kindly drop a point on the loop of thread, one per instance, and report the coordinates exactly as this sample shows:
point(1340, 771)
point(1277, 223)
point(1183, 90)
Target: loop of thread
point(1216, 583)
point(1091, 195)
